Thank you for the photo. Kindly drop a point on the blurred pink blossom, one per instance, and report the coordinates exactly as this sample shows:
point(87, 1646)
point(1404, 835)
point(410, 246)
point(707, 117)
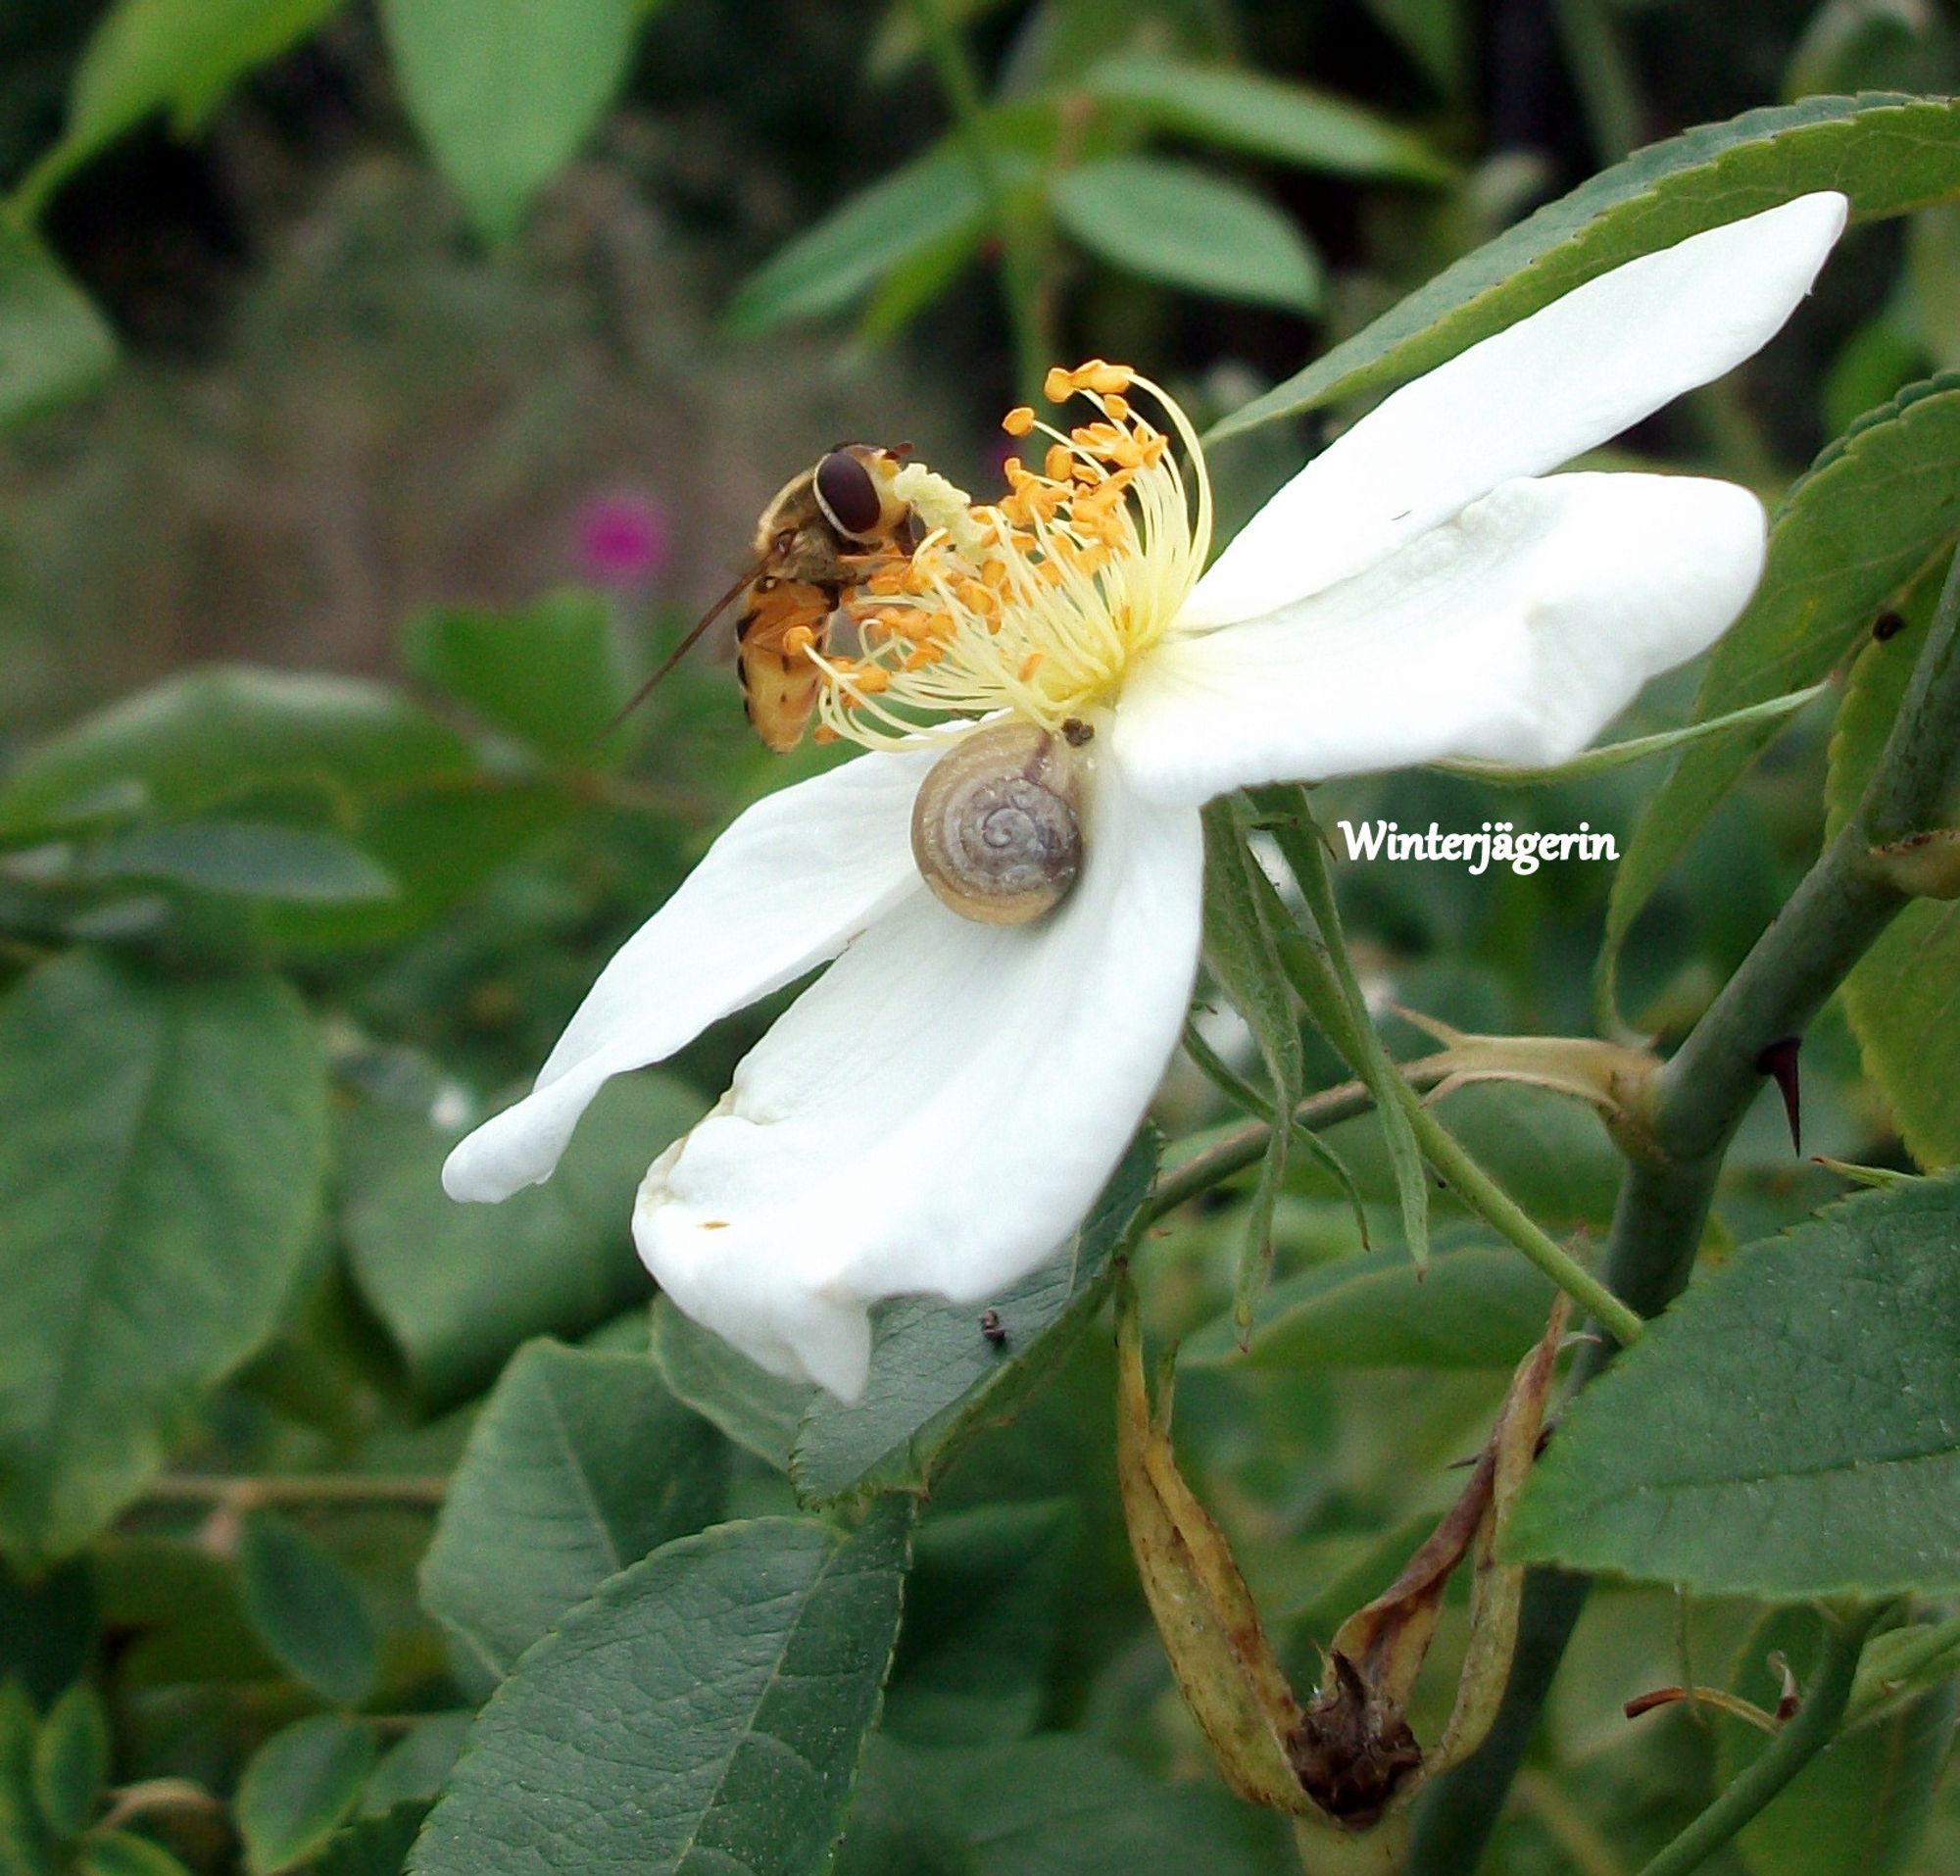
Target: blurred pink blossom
point(624, 541)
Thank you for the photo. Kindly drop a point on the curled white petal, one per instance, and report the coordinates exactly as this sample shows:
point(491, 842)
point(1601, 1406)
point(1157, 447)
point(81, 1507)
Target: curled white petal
point(1513, 634)
point(786, 887)
point(1570, 377)
point(937, 1113)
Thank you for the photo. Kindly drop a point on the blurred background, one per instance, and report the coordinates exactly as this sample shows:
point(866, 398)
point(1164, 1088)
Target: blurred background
point(442, 399)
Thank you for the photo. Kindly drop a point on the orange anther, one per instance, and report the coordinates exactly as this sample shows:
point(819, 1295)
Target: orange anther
point(1057, 464)
point(871, 679)
point(1019, 421)
point(1117, 406)
point(1030, 665)
point(823, 733)
point(1059, 384)
point(1101, 375)
point(798, 639)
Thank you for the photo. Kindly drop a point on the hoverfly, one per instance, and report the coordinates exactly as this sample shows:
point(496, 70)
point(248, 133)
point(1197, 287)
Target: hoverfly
point(824, 532)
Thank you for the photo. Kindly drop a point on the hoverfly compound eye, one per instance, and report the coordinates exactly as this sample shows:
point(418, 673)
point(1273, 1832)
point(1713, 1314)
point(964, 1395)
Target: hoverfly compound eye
point(849, 499)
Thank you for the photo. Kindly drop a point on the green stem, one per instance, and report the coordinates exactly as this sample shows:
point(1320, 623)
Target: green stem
point(1503, 1214)
point(1602, 75)
point(1835, 915)
point(1247, 1146)
point(1300, 844)
point(1021, 282)
point(1812, 1729)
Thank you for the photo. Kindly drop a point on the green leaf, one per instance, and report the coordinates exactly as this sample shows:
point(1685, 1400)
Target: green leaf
point(307, 1611)
point(1323, 974)
point(177, 55)
point(1547, 1151)
point(1476, 1305)
point(505, 91)
point(1861, 1804)
point(937, 1379)
point(758, 1410)
point(162, 1145)
point(1059, 1805)
point(983, 1608)
point(72, 1760)
point(54, 345)
point(705, 1709)
point(459, 1287)
point(1797, 1416)
point(548, 674)
point(1185, 228)
point(1240, 110)
point(579, 1465)
point(931, 201)
point(211, 736)
point(252, 860)
point(121, 1852)
point(374, 1845)
point(25, 1846)
point(1243, 921)
point(436, 842)
point(414, 1769)
point(1855, 534)
point(1607, 756)
point(1888, 154)
point(183, 1612)
point(1903, 995)
point(298, 1787)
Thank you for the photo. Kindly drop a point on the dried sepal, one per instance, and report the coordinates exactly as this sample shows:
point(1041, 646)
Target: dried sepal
point(1224, 1665)
point(1610, 1078)
point(1497, 1591)
point(1345, 1765)
point(1927, 865)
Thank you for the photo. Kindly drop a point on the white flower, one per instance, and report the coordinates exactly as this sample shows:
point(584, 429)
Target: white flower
point(938, 1110)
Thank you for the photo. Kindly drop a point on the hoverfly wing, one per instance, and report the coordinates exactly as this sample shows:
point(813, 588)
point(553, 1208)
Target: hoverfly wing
point(779, 688)
point(681, 650)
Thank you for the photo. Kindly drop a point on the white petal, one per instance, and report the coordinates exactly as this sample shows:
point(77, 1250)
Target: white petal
point(1571, 376)
point(1515, 633)
point(939, 1111)
point(787, 886)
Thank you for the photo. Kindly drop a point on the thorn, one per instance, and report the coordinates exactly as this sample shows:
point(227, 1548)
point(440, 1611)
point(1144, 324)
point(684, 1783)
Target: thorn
point(1788, 1701)
point(1777, 1061)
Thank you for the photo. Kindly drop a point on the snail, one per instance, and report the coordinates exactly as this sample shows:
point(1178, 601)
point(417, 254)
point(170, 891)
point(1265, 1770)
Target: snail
point(997, 828)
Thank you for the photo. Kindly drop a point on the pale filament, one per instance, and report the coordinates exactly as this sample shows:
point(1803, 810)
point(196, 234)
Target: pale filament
point(1036, 605)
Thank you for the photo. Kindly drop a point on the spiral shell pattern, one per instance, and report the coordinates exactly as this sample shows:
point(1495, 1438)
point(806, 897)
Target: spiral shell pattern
point(997, 828)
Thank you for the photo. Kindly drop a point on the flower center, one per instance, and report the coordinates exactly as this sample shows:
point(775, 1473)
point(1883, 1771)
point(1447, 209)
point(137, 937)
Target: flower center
point(1036, 605)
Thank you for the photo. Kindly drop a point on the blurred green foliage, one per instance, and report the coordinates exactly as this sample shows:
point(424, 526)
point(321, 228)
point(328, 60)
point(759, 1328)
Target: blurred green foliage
point(302, 1466)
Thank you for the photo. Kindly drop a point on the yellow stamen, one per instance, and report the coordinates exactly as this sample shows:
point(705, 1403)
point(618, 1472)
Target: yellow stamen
point(1036, 605)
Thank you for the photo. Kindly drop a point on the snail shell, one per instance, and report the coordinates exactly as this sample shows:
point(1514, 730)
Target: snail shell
point(997, 828)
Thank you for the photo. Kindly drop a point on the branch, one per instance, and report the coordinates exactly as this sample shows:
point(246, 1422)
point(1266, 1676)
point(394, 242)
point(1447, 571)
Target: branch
point(1835, 914)
point(1793, 1748)
point(243, 1493)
